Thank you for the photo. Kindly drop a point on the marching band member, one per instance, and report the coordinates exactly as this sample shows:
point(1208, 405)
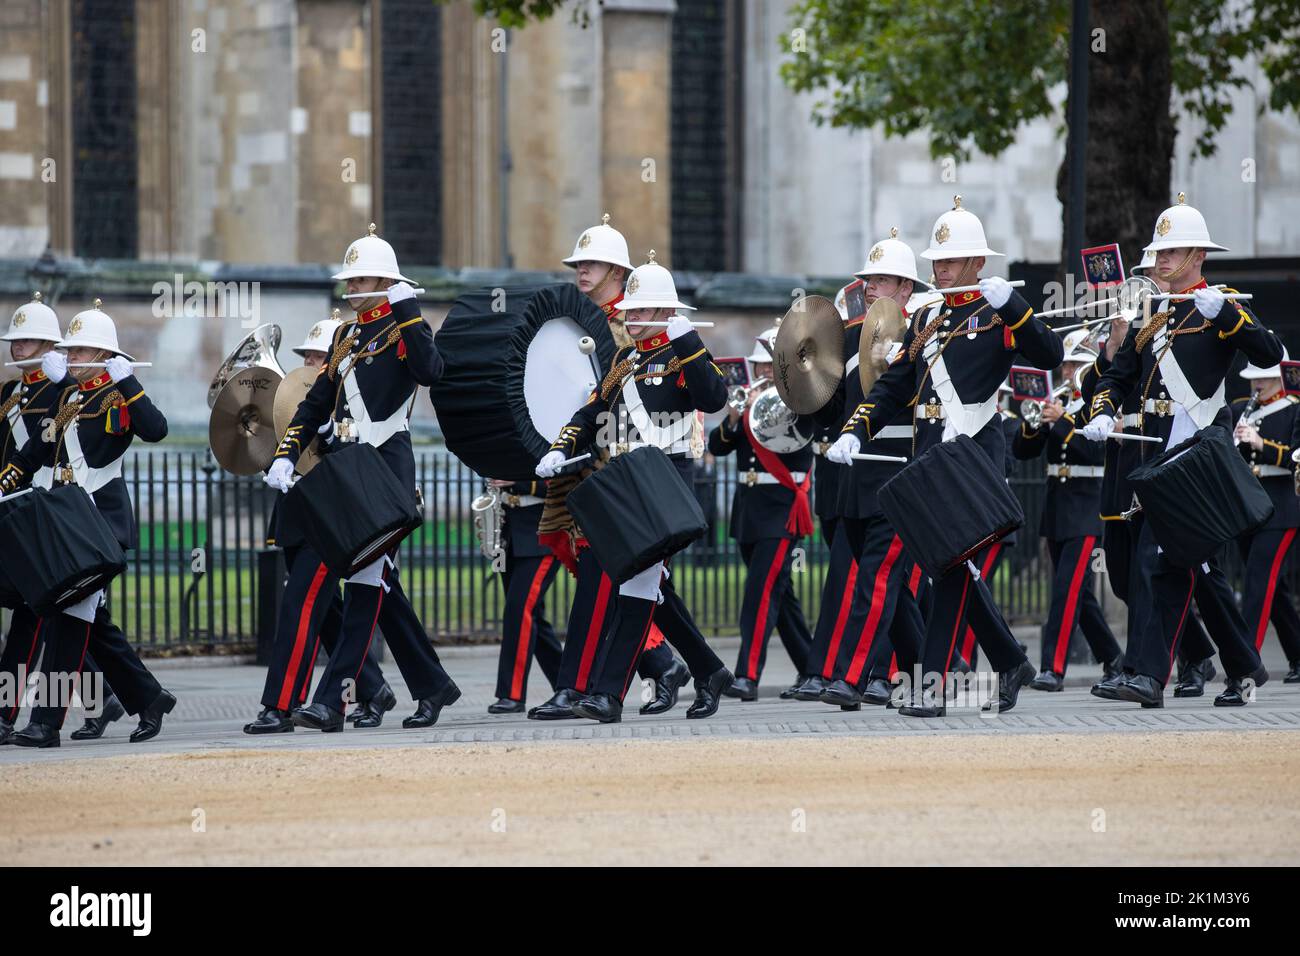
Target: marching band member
point(529, 570)
point(667, 373)
point(311, 610)
point(1265, 439)
point(951, 369)
point(1178, 362)
point(601, 266)
point(33, 331)
point(770, 512)
point(97, 414)
point(364, 393)
point(1070, 522)
point(884, 619)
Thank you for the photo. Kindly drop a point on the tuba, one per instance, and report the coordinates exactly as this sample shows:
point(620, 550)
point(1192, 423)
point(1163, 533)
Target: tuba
point(489, 516)
point(241, 428)
point(775, 426)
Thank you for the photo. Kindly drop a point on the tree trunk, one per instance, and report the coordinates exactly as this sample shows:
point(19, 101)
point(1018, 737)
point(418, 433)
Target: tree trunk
point(1130, 130)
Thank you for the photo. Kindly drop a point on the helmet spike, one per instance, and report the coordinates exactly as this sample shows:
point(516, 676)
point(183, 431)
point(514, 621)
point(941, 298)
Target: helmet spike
point(335, 314)
point(98, 303)
point(36, 297)
point(956, 202)
point(1182, 198)
point(604, 220)
point(652, 256)
point(372, 228)
point(893, 232)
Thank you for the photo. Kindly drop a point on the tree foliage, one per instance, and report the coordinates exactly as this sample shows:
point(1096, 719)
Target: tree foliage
point(969, 72)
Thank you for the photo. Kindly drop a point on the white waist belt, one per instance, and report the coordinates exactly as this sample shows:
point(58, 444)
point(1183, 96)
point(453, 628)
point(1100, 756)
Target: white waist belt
point(1075, 471)
point(894, 431)
point(677, 447)
point(929, 413)
point(1270, 471)
point(751, 478)
point(1160, 407)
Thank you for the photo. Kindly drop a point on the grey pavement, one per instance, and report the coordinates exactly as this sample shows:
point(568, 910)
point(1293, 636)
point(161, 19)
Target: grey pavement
point(217, 696)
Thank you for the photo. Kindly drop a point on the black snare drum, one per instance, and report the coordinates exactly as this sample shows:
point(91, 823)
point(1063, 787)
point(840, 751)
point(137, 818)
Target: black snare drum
point(949, 504)
point(635, 512)
point(1200, 495)
point(351, 508)
point(58, 549)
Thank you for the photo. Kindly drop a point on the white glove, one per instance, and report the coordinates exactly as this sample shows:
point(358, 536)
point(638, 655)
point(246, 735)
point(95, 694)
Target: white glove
point(400, 291)
point(678, 325)
point(1208, 302)
point(996, 289)
point(280, 475)
point(549, 464)
point(845, 447)
point(326, 431)
point(118, 368)
point(1098, 428)
point(55, 366)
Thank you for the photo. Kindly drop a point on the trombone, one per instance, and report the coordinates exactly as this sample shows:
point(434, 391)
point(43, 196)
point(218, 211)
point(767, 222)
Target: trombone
point(738, 397)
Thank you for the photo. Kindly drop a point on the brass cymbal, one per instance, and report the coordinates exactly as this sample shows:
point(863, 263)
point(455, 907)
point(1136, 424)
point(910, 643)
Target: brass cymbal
point(241, 429)
point(884, 323)
point(808, 357)
point(288, 397)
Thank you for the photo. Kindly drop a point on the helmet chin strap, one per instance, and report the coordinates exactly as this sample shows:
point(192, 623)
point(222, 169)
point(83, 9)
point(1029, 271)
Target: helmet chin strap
point(1181, 266)
point(596, 289)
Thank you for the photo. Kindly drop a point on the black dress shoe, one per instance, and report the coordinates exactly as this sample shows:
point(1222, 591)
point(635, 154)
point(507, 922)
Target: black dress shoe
point(1108, 687)
point(923, 705)
point(811, 688)
point(1009, 685)
point(1237, 692)
point(36, 735)
point(318, 717)
point(667, 687)
point(1049, 681)
point(1142, 689)
point(94, 727)
point(1192, 678)
point(6, 731)
point(877, 692)
point(271, 721)
point(151, 717)
point(1292, 677)
point(374, 708)
point(505, 705)
point(708, 694)
point(1110, 668)
point(559, 707)
point(426, 713)
point(742, 688)
point(788, 693)
point(601, 707)
point(841, 692)
point(371, 713)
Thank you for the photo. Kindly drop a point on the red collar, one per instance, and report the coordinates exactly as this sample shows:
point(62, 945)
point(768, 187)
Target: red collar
point(99, 381)
point(1192, 288)
point(378, 312)
point(32, 377)
point(611, 307)
point(656, 341)
point(961, 298)
point(1277, 396)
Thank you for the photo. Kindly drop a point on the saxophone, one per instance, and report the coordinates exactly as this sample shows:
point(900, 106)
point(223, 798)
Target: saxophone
point(489, 516)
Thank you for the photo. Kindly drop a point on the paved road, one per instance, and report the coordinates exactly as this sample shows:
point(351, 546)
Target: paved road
point(217, 697)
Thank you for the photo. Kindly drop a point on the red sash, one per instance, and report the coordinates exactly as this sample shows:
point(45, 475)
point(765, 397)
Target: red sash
point(800, 521)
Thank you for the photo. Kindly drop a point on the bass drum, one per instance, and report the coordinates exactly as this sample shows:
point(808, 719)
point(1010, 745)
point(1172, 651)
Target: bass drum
point(515, 373)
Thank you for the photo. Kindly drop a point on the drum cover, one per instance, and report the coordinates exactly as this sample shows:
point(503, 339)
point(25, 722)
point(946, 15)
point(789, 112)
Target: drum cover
point(1200, 495)
point(514, 374)
point(949, 504)
point(636, 511)
point(58, 549)
point(351, 508)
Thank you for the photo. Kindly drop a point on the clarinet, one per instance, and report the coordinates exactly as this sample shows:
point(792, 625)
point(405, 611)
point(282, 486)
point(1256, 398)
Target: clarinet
point(1252, 404)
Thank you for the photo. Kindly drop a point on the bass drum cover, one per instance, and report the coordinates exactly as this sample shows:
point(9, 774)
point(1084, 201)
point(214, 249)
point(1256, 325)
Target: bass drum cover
point(515, 373)
point(949, 504)
point(58, 549)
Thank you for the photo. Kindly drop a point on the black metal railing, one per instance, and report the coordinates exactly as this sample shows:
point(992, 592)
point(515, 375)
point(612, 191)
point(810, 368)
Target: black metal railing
point(193, 580)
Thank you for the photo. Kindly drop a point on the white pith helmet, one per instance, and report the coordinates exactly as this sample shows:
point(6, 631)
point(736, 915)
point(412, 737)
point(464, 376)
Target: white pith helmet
point(891, 257)
point(601, 243)
point(957, 234)
point(33, 320)
point(321, 335)
point(651, 286)
point(93, 329)
point(1181, 227)
point(370, 256)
